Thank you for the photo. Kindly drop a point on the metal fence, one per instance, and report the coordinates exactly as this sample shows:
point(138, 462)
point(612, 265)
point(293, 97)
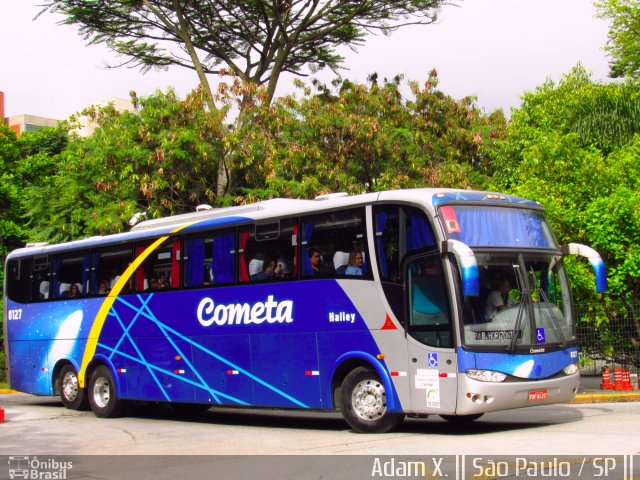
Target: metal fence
point(609, 336)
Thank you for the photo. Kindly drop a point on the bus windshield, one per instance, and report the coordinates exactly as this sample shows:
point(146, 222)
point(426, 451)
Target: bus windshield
point(497, 226)
point(524, 302)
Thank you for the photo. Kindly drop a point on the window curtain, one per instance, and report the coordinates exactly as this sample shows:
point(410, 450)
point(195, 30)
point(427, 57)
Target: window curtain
point(86, 262)
point(420, 235)
point(55, 290)
point(194, 266)
point(174, 281)
point(140, 271)
point(224, 257)
point(307, 233)
point(244, 268)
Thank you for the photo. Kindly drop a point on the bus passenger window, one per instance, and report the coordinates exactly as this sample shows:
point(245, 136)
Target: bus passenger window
point(161, 269)
point(70, 275)
point(210, 259)
point(107, 265)
point(18, 271)
point(334, 245)
point(268, 252)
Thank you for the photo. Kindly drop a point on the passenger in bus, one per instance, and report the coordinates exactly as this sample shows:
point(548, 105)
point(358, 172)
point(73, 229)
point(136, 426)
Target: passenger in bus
point(498, 300)
point(270, 271)
point(153, 284)
point(74, 290)
point(162, 281)
point(102, 288)
point(356, 261)
point(318, 267)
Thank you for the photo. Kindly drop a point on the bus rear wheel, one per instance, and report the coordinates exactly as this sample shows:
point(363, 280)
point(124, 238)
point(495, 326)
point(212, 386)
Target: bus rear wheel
point(364, 403)
point(73, 397)
point(102, 394)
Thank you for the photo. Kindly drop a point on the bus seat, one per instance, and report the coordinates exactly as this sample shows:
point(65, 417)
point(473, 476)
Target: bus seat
point(44, 290)
point(255, 267)
point(340, 262)
point(64, 289)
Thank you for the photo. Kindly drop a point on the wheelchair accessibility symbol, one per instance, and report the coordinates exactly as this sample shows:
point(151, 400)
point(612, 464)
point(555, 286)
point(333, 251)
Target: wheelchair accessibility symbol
point(540, 338)
point(432, 359)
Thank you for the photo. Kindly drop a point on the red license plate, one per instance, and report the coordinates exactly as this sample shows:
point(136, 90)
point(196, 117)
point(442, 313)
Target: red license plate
point(537, 395)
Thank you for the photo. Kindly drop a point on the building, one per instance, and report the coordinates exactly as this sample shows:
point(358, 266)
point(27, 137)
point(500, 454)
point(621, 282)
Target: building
point(24, 122)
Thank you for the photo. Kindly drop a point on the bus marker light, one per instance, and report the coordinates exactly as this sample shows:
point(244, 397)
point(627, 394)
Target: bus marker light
point(398, 374)
point(44, 369)
point(178, 357)
point(312, 373)
point(233, 372)
point(380, 356)
point(179, 372)
point(121, 370)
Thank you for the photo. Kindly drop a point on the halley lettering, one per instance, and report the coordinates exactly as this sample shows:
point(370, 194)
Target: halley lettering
point(270, 311)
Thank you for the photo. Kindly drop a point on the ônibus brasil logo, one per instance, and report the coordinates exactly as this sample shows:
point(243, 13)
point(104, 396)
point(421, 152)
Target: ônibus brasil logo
point(270, 311)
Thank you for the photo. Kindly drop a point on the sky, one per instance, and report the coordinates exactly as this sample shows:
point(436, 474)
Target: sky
point(492, 49)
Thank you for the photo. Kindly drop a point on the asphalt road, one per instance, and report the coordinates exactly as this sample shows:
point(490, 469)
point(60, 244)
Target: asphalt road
point(41, 425)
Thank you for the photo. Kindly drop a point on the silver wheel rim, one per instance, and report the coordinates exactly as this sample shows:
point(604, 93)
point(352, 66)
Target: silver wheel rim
point(369, 400)
point(70, 386)
point(101, 392)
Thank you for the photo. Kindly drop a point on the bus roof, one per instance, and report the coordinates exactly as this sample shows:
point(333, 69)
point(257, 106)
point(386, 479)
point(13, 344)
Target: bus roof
point(279, 207)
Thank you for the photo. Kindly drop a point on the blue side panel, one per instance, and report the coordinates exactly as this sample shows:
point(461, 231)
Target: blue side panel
point(528, 366)
point(283, 365)
point(220, 363)
point(264, 344)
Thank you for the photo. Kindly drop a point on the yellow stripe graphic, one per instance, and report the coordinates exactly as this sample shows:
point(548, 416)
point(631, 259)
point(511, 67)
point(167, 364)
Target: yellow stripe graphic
point(98, 323)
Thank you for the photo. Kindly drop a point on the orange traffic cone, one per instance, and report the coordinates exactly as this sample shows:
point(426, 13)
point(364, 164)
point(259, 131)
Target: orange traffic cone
point(617, 379)
point(1, 415)
point(626, 380)
point(606, 379)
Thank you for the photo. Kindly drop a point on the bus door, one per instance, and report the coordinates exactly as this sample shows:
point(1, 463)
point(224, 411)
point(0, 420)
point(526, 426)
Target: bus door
point(431, 353)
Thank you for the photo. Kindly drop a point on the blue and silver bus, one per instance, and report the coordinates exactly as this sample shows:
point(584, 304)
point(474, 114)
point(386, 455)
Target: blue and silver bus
point(412, 302)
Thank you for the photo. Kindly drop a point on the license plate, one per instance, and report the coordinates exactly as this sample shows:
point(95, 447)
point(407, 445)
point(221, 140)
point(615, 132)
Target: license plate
point(537, 395)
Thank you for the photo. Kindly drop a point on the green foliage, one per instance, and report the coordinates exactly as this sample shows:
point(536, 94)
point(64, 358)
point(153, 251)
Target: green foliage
point(624, 35)
point(363, 138)
point(561, 151)
point(161, 159)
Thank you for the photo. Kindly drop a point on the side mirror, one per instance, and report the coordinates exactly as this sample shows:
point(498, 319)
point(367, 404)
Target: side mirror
point(468, 266)
point(599, 269)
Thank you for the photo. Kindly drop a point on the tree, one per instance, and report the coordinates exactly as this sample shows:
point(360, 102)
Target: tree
point(361, 138)
point(257, 40)
point(624, 35)
point(156, 159)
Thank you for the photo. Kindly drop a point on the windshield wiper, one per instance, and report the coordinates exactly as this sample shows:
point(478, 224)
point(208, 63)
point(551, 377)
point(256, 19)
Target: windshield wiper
point(523, 286)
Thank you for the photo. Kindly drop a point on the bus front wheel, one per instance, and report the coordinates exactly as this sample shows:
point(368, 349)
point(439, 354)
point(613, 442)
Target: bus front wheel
point(73, 397)
point(364, 403)
point(102, 394)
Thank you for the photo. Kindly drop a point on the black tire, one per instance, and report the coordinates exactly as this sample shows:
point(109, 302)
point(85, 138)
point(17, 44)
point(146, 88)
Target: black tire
point(73, 397)
point(102, 394)
point(461, 419)
point(364, 403)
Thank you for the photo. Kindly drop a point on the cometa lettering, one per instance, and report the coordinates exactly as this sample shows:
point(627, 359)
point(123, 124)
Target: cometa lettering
point(270, 311)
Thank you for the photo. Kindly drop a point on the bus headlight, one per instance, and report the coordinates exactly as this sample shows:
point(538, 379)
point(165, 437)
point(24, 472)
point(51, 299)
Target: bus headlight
point(571, 369)
point(486, 375)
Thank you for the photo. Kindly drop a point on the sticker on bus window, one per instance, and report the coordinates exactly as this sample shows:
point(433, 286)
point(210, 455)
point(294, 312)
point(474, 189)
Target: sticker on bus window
point(450, 219)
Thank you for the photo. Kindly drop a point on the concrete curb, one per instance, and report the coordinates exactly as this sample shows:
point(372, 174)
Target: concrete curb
point(7, 390)
point(606, 397)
